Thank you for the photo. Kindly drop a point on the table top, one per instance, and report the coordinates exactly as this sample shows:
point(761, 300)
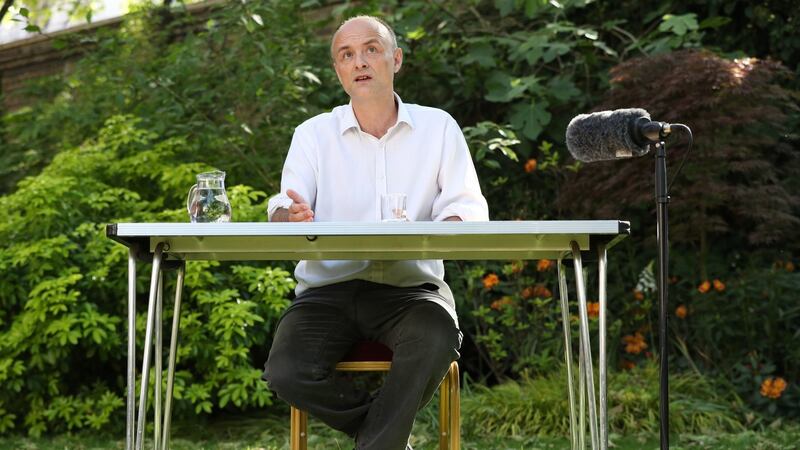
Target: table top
point(243, 241)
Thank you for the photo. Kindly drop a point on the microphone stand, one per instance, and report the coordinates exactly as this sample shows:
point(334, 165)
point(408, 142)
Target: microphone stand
point(662, 234)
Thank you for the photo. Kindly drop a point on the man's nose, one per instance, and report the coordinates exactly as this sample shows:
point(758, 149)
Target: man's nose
point(361, 61)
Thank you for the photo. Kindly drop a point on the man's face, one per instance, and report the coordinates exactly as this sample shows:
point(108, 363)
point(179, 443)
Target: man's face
point(365, 60)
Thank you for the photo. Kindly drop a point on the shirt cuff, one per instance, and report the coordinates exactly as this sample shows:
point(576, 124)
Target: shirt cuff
point(276, 202)
point(467, 213)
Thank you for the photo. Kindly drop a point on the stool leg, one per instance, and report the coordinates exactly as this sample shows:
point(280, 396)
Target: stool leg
point(298, 430)
point(444, 410)
point(455, 408)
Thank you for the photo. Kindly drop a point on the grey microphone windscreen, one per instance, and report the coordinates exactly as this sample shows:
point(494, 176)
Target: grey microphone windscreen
point(605, 135)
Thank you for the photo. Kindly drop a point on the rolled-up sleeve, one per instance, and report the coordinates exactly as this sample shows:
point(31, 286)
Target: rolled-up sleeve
point(460, 192)
point(299, 172)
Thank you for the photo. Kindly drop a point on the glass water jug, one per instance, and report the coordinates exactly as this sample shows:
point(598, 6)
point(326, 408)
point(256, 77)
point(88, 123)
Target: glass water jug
point(207, 200)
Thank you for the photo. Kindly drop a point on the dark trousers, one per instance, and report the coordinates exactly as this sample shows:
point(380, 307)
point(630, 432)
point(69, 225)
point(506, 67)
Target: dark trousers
point(321, 326)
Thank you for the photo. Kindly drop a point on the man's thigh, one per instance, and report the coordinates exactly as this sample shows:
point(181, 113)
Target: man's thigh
point(394, 315)
point(316, 331)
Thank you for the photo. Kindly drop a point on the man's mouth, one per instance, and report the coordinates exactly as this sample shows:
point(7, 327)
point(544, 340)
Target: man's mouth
point(363, 78)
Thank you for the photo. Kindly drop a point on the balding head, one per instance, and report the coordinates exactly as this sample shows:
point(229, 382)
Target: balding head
point(380, 25)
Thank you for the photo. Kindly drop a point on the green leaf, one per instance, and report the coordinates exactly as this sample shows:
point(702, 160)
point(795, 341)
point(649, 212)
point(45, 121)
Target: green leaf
point(532, 7)
point(24, 12)
point(481, 53)
point(679, 25)
point(503, 88)
point(504, 6)
point(714, 22)
point(32, 28)
point(562, 88)
point(415, 34)
point(556, 49)
point(530, 118)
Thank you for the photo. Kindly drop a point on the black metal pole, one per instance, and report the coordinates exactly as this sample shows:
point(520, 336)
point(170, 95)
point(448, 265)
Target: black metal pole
point(662, 224)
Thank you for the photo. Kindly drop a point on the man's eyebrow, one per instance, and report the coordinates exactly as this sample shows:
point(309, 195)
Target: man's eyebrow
point(370, 41)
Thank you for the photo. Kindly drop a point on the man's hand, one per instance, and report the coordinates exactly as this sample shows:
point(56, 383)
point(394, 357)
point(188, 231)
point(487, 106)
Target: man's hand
point(299, 210)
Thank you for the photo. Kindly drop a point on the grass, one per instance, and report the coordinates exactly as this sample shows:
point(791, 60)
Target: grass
point(785, 438)
point(524, 415)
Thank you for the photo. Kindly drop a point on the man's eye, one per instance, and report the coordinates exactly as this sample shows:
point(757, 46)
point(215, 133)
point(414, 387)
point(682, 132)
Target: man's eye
point(372, 50)
point(347, 55)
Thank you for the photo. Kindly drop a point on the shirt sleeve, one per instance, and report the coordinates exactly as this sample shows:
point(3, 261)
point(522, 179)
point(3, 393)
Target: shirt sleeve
point(299, 172)
point(459, 190)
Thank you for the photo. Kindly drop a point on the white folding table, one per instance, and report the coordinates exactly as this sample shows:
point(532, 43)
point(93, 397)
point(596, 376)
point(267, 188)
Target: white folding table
point(172, 244)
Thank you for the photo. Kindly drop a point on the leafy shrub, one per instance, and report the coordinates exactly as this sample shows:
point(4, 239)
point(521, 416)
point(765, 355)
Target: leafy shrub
point(540, 405)
point(63, 288)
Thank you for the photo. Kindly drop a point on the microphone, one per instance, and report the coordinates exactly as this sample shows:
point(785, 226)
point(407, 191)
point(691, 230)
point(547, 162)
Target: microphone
point(609, 135)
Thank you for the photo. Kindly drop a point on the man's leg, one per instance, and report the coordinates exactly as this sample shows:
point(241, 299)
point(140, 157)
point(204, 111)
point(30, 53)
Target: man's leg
point(312, 336)
point(424, 339)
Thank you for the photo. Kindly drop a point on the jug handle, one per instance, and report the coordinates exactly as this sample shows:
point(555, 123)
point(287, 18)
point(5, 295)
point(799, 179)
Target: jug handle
point(192, 190)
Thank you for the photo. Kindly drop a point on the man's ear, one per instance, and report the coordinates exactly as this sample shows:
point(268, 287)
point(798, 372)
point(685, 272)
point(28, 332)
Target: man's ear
point(398, 59)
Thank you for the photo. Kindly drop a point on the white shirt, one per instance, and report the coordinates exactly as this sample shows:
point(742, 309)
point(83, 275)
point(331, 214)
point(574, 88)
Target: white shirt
point(341, 171)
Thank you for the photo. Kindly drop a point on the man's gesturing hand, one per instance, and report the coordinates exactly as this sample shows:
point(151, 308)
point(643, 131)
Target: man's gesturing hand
point(299, 210)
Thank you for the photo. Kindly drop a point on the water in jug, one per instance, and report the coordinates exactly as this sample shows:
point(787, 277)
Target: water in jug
point(207, 201)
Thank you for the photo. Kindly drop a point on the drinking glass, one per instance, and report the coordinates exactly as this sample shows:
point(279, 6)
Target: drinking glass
point(393, 207)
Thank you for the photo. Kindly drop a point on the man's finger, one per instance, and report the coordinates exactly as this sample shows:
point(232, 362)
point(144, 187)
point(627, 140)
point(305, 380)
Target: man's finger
point(295, 208)
point(297, 198)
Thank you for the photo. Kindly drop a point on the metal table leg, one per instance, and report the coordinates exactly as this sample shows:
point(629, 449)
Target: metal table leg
point(602, 361)
point(581, 398)
point(173, 349)
point(148, 343)
point(562, 288)
point(130, 422)
point(586, 349)
point(159, 328)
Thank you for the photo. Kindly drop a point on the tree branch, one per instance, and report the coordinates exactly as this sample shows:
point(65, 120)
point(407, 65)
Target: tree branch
point(6, 5)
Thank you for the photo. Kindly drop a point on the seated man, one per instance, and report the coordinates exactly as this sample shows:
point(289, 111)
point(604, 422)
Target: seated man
point(338, 166)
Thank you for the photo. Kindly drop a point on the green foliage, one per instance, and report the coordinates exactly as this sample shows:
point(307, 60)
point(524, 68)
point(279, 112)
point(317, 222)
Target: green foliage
point(63, 287)
point(540, 405)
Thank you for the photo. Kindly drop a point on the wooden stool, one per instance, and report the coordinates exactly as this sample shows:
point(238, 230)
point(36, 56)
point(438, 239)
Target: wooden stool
point(374, 356)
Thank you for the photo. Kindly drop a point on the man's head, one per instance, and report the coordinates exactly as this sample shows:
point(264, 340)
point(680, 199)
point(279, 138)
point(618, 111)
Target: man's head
point(366, 57)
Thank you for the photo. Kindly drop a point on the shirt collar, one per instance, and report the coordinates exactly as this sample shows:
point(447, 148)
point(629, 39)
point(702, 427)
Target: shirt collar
point(349, 120)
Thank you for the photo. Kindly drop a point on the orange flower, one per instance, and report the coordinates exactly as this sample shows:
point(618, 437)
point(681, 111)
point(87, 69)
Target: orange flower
point(681, 311)
point(500, 302)
point(593, 309)
point(789, 266)
point(527, 292)
point(541, 291)
point(719, 286)
point(634, 344)
point(543, 265)
point(627, 365)
point(530, 165)
point(517, 266)
point(704, 287)
point(638, 295)
point(490, 281)
point(773, 387)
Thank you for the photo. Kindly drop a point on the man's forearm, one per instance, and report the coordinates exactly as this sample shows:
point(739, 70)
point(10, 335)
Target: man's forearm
point(280, 215)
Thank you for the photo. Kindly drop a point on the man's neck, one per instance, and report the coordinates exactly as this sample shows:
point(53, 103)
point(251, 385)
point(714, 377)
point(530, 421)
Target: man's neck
point(376, 116)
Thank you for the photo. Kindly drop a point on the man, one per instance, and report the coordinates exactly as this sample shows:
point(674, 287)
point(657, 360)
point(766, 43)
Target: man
point(338, 166)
